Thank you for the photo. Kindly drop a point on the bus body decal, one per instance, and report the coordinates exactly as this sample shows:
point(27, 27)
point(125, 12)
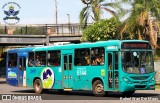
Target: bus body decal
point(103, 72)
point(81, 71)
point(60, 70)
point(12, 74)
point(47, 77)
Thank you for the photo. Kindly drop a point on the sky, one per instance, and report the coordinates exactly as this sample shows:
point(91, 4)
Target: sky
point(43, 11)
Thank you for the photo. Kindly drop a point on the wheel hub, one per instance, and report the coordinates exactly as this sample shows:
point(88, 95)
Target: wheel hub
point(99, 88)
point(38, 87)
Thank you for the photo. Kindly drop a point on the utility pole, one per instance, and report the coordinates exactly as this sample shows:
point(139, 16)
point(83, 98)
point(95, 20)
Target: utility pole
point(69, 28)
point(68, 18)
point(56, 11)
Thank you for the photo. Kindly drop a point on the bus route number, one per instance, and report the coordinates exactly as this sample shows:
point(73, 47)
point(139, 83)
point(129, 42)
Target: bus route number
point(81, 71)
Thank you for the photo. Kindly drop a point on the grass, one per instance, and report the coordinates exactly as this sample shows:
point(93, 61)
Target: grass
point(157, 86)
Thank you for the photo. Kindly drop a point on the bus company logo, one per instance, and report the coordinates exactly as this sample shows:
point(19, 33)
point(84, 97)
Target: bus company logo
point(47, 77)
point(11, 10)
point(12, 74)
point(6, 97)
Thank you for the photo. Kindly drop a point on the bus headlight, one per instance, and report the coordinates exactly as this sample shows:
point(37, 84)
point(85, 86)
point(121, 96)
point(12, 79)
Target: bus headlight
point(152, 80)
point(127, 80)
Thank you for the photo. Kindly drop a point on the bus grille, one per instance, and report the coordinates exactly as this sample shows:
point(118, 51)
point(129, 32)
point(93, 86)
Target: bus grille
point(140, 86)
point(140, 77)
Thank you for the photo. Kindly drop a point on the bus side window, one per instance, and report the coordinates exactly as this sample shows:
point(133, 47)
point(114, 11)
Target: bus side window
point(31, 59)
point(97, 56)
point(40, 58)
point(54, 58)
point(82, 57)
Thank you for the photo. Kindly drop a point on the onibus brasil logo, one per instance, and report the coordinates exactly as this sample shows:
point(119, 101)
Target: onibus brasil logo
point(11, 11)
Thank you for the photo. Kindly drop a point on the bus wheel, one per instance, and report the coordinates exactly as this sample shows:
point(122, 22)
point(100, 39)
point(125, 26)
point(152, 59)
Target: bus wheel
point(128, 93)
point(98, 89)
point(38, 86)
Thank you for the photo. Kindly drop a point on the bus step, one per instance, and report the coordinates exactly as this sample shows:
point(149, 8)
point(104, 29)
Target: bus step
point(67, 89)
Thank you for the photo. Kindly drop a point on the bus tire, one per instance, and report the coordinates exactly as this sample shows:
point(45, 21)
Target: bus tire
point(98, 88)
point(38, 86)
point(128, 93)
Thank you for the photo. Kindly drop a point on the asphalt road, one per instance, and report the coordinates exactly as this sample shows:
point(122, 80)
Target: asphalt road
point(26, 93)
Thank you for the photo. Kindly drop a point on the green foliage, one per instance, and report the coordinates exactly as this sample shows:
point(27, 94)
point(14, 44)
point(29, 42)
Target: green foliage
point(157, 86)
point(31, 30)
point(101, 30)
point(2, 31)
point(94, 11)
point(137, 24)
point(158, 52)
point(156, 57)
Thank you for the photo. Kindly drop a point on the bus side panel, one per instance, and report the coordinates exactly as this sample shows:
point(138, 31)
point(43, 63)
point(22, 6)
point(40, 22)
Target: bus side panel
point(12, 76)
point(38, 72)
point(84, 76)
point(57, 83)
point(32, 73)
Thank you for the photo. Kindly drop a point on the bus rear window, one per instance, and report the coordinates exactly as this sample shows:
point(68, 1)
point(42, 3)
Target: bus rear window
point(12, 60)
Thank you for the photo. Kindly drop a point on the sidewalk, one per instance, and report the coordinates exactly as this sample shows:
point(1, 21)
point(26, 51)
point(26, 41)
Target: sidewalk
point(2, 79)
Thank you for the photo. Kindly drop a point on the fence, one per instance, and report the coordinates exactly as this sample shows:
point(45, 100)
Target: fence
point(38, 29)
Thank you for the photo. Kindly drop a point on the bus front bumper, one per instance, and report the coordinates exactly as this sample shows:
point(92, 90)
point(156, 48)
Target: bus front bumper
point(136, 86)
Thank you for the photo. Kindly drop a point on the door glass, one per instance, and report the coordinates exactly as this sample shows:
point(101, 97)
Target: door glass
point(110, 80)
point(110, 71)
point(24, 63)
point(70, 62)
point(65, 62)
point(116, 84)
point(110, 61)
point(20, 64)
point(116, 61)
point(116, 79)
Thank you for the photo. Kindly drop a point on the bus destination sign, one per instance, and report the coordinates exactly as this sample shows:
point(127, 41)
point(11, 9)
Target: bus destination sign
point(135, 45)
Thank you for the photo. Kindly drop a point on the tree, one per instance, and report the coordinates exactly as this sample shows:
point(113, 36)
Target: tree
point(101, 30)
point(140, 20)
point(94, 10)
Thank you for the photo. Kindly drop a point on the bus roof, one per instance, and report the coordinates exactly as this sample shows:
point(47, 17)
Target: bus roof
point(86, 44)
point(16, 50)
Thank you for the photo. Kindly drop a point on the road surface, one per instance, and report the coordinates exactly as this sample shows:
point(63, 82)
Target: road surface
point(28, 93)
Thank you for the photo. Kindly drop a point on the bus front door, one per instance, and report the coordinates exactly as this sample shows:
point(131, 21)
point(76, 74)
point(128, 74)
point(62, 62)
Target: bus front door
point(67, 72)
point(22, 71)
point(113, 82)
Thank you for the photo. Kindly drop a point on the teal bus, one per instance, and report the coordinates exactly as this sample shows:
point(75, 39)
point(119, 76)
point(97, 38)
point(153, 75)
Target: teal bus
point(115, 65)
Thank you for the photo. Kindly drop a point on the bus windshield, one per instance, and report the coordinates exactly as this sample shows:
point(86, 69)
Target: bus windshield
point(138, 62)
